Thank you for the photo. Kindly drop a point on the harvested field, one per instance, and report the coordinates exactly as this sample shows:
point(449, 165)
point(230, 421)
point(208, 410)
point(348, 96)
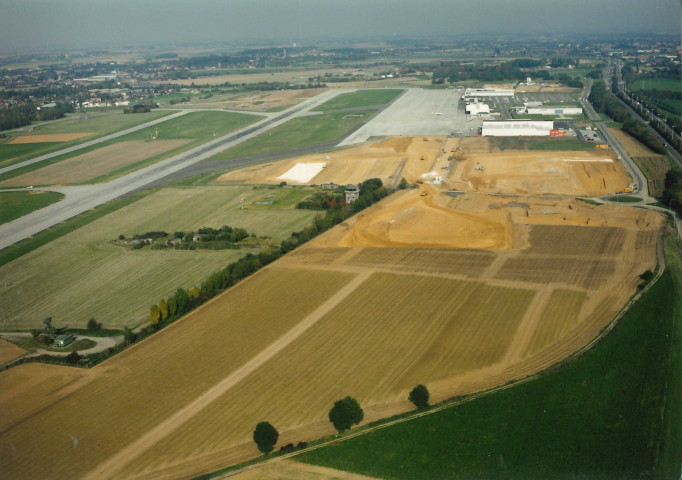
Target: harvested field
point(293, 470)
point(562, 240)
point(559, 317)
point(86, 273)
point(55, 137)
point(588, 173)
point(9, 352)
point(185, 350)
point(566, 271)
point(95, 163)
point(459, 293)
point(444, 332)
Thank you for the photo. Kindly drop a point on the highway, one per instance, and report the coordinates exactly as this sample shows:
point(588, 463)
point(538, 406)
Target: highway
point(82, 198)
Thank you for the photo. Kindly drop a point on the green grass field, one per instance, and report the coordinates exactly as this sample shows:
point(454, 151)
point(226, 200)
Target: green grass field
point(672, 84)
point(539, 143)
point(599, 416)
point(298, 132)
point(624, 199)
point(87, 273)
point(361, 98)
point(199, 127)
point(17, 204)
point(98, 123)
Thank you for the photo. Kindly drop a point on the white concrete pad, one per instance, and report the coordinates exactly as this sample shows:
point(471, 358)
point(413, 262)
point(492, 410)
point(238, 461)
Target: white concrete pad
point(302, 172)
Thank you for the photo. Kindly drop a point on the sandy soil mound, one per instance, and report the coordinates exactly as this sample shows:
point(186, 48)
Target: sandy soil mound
point(589, 173)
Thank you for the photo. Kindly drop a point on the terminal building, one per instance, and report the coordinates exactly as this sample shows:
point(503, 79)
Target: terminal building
point(486, 92)
point(554, 110)
point(517, 128)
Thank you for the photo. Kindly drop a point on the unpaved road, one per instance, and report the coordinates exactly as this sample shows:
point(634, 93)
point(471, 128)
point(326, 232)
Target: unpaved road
point(114, 464)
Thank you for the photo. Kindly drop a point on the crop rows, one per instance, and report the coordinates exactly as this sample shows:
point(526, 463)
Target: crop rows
point(559, 316)
point(576, 240)
point(147, 383)
point(585, 273)
point(391, 333)
point(457, 262)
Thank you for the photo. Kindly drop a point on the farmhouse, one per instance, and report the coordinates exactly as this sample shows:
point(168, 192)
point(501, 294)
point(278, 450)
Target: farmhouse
point(64, 340)
point(352, 193)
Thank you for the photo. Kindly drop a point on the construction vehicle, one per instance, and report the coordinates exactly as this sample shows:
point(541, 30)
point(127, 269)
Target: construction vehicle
point(628, 189)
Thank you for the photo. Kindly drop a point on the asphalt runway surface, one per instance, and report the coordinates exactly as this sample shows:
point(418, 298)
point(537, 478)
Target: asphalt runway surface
point(82, 198)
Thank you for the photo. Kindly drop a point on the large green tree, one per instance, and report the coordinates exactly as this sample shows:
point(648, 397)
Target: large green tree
point(345, 413)
point(265, 436)
point(420, 396)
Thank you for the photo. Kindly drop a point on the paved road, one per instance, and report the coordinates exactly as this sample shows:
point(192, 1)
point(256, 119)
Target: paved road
point(80, 146)
point(637, 176)
point(82, 198)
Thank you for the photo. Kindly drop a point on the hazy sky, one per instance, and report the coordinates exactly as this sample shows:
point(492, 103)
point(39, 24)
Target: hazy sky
point(41, 24)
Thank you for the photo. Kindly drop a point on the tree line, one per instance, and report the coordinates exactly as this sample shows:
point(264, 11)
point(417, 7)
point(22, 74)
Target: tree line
point(343, 415)
point(183, 301)
point(20, 116)
point(604, 101)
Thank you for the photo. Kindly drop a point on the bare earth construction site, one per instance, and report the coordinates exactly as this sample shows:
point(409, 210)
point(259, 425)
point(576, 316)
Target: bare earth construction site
point(488, 272)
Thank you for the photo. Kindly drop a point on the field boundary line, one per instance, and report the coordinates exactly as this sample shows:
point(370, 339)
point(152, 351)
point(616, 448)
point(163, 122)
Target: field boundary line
point(459, 401)
point(114, 464)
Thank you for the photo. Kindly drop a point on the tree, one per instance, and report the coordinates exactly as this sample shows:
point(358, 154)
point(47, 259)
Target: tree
point(265, 436)
point(163, 308)
point(93, 325)
point(403, 184)
point(181, 300)
point(345, 413)
point(73, 358)
point(154, 314)
point(420, 396)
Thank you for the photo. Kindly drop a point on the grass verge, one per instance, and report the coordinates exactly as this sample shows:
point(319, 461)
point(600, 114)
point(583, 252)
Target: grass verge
point(17, 204)
point(361, 98)
point(599, 416)
point(623, 199)
point(299, 132)
point(46, 236)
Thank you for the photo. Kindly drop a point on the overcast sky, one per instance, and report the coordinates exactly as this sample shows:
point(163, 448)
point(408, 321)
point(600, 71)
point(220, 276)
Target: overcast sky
point(42, 24)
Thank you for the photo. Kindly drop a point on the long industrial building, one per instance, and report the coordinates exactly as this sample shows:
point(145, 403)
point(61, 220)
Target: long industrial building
point(554, 110)
point(516, 128)
point(487, 92)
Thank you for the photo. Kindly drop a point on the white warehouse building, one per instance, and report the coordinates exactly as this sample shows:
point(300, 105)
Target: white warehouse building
point(517, 128)
point(554, 110)
point(487, 92)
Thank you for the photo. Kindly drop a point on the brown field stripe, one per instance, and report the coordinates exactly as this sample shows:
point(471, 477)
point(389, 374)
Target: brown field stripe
point(528, 325)
point(117, 462)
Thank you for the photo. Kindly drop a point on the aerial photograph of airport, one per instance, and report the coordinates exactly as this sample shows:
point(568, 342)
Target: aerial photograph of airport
point(340, 239)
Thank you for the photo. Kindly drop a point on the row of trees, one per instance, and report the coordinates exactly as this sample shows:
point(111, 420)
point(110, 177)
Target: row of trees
point(604, 101)
point(20, 116)
point(344, 414)
point(182, 301)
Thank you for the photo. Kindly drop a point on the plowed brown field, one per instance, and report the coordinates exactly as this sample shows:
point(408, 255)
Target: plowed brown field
point(459, 293)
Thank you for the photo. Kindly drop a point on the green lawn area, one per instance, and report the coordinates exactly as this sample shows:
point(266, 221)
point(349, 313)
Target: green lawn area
point(17, 204)
point(298, 132)
point(624, 199)
point(99, 123)
point(361, 98)
point(86, 272)
point(13, 153)
point(539, 143)
point(672, 84)
point(605, 415)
